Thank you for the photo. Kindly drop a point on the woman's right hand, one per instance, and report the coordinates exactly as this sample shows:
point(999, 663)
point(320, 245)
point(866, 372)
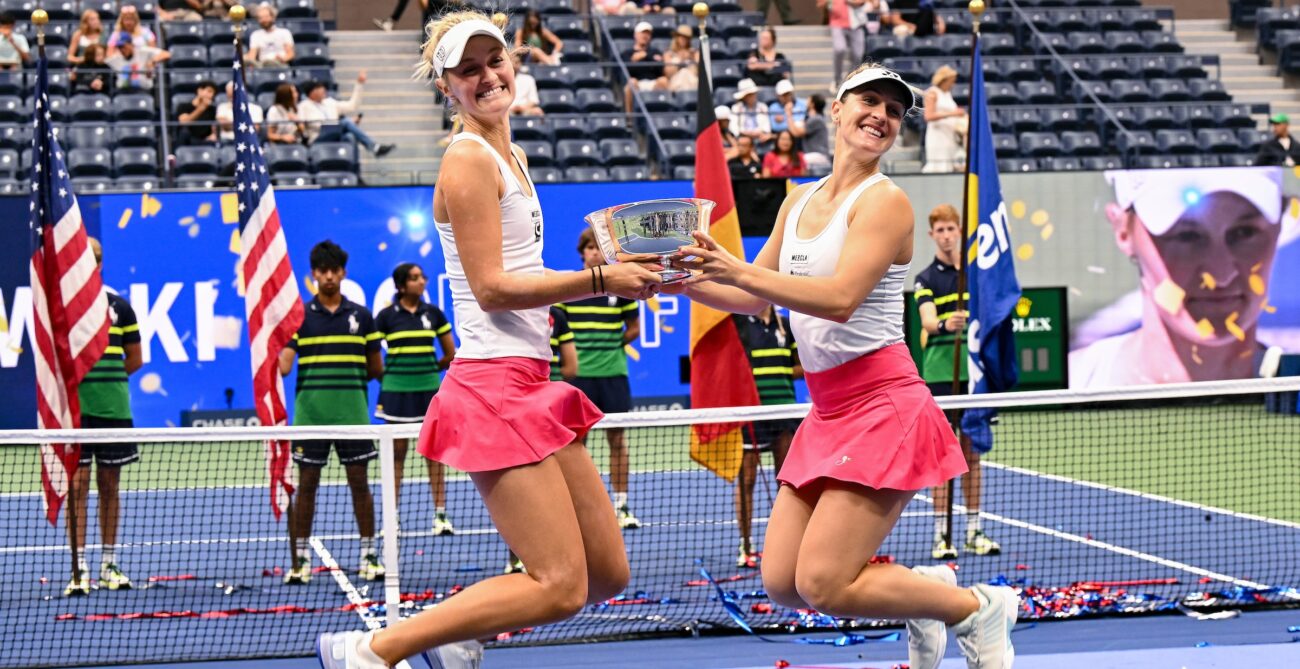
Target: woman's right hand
point(632, 280)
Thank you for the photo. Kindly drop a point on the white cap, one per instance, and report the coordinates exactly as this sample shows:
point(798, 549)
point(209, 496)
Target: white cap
point(745, 87)
point(452, 45)
point(642, 27)
point(1161, 196)
point(881, 74)
point(722, 113)
point(784, 86)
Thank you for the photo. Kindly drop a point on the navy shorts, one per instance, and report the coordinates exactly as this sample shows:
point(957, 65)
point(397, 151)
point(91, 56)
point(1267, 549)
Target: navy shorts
point(316, 452)
point(399, 407)
point(761, 434)
point(610, 394)
point(108, 455)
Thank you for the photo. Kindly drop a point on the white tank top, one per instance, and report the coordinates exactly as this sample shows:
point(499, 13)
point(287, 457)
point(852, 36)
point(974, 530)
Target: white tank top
point(502, 334)
point(875, 324)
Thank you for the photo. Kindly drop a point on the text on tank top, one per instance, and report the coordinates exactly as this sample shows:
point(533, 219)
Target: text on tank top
point(875, 324)
point(502, 334)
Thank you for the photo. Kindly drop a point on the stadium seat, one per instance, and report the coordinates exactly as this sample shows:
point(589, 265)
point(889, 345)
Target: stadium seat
point(674, 126)
point(1017, 165)
point(147, 9)
point(1086, 43)
point(569, 127)
point(1249, 139)
point(586, 76)
point(686, 100)
point(1234, 116)
point(135, 161)
point(603, 127)
point(621, 152)
point(134, 134)
point(620, 27)
point(1159, 41)
point(629, 173)
point(880, 47)
point(1098, 163)
point(554, 6)
point(12, 83)
point(1208, 90)
point(1186, 67)
point(545, 174)
point(336, 179)
point(136, 183)
point(954, 46)
point(12, 110)
point(1176, 142)
point(925, 47)
point(558, 102)
point(16, 137)
point(578, 153)
point(200, 160)
point(657, 102)
point(1130, 90)
point(1237, 160)
point(586, 173)
point(1170, 90)
point(60, 10)
point(994, 44)
point(188, 81)
point(550, 77)
point(1040, 145)
point(135, 107)
point(91, 184)
point(1061, 119)
point(597, 100)
point(1154, 118)
point(177, 33)
point(684, 173)
point(1217, 140)
point(308, 30)
point(1098, 89)
point(88, 136)
point(291, 179)
point(1193, 117)
point(727, 74)
point(223, 55)
point(1155, 162)
point(286, 157)
point(579, 52)
point(540, 154)
point(333, 157)
point(309, 55)
point(1136, 142)
point(57, 56)
point(1045, 43)
point(1080, 144)
point(1020, 69)
point(1006, 145)
point(1060, 164)
point(741, 46)
point(568, 28)
point(679, 152)
point(221, 32)
point(525, 128)
point(1021, 119)
point(188, 55)
point(13, 187)
point(737, 25)
point(90, 163)
point(1001, 94)
point(1037, 92)
point(296, 9)
point(1124, 41)
point(8, 164)
point(58, 108)
point(266, 80)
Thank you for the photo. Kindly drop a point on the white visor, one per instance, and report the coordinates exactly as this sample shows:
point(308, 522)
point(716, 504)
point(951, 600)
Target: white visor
point(452, 45)
point(1161, 196)
point(905, 90)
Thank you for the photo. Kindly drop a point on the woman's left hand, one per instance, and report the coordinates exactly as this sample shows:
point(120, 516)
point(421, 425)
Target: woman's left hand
point(711, 263)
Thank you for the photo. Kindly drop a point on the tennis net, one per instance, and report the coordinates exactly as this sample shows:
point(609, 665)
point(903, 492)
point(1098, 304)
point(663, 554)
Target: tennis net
point(1136, 501)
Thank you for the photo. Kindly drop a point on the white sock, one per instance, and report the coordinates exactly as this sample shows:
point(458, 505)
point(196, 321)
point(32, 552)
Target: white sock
point(367, 546)
point(620, 500)
point(973, 524)
point(301, 548)
point(83, 567)
point(940, 525)
point(365, 654)
point(109, 554)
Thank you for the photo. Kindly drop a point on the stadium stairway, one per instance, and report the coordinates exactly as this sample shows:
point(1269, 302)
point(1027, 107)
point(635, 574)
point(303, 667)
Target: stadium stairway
point(397, 109)
point(1245, 78)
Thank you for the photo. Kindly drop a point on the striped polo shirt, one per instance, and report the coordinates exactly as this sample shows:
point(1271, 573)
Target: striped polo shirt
point(560, 333)
point(771, 349)
point(937, 284)
point(104, 392)
point(332, 349)
point(597, 324)
point(411, 364)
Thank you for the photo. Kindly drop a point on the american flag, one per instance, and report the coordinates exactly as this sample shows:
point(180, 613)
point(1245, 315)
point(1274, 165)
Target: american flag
point(271, 301)
point(70, 309)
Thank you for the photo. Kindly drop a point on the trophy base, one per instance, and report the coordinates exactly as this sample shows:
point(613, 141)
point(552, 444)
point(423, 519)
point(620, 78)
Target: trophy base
point(674, 275)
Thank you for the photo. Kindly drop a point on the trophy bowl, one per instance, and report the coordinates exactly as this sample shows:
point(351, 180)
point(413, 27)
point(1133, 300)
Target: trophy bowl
point(650, 228)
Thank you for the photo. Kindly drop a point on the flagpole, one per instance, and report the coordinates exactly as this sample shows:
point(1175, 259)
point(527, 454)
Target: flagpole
point(701, 12)
point(976, 9)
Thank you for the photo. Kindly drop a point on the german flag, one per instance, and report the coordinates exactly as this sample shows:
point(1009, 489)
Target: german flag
point(720, 374)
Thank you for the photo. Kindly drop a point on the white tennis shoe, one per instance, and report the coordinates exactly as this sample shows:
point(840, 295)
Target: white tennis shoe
point(927, 640)
point(985, 636)
point(460, 655)
point(342, 650)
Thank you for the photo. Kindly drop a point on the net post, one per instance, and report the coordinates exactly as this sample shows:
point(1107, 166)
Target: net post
point(388, 495)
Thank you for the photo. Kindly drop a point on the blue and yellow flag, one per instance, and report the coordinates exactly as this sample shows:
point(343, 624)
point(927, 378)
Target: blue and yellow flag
point(990, 271)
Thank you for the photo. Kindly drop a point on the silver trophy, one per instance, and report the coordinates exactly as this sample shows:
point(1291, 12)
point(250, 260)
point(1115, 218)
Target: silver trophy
point(650, 227)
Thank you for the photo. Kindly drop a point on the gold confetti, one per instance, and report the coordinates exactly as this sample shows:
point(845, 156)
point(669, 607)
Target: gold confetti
point(383, 246)
point(194, 230)
point(236, 242)
point(632, 352)
point(666, 328)
point(126, 218)
point(1205, 328)
point(653, 304)
point(1268, 308)
point(1245, 354)
point(229, 208)
point(1018, 208)
point(311, 285)
point(1046, 232)
point(1039, 218)
point(1207, 281)
point(1257, 284)
point(1196, 355)
point(149, 206)
point(1025, 251)
point(1295, 208)
point(186, 220)
point(204, 210)
point(1023, 306)
point(1233, 328)
point(1169, 296)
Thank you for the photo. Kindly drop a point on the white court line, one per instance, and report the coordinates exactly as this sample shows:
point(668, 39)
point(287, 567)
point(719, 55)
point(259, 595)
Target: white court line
point(349, 590)
point(1114, 548)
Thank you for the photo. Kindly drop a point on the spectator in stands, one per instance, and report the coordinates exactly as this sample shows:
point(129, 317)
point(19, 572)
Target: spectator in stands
point(730, 145)
point(766, 65)
point(226, 114)
point(89, 31)
point(543, 46)
point(271, 45)
point(527, 102)
point(925, 22)
point(615, 7)
point(325, 119)
point(817, 137)
point(13, 46)
point(128, 24)
point(846, 19)
point(945, 131)
point(788, 112)
point(91, 75)
point(135, 65)
point(652, 7)
point(428, 10)
point(784, 161)
point(680, 70)
point(180, 10)
point(645, 64)
point(199, 116)
point(782, 8)
point(282, 123)
point(751, 118)
point(745, 165)
point(219, 9)
point(1280, 149)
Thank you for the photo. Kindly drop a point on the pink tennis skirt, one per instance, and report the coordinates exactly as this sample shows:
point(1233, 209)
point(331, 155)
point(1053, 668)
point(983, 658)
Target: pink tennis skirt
point(873, 423)
point(501, 413)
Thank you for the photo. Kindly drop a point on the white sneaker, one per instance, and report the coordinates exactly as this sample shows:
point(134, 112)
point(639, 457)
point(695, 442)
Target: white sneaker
point(76, 588)
point(112, 578)
point(300, 573)
point(339, 650)
point(461, 655)
point(927, 640)
point(385, 25)
point(626, 520)
point(371, 569)
point(442, 525)
point(985, 636)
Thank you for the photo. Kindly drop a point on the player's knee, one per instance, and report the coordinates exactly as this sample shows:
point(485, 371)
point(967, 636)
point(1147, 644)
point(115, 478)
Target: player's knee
point(780, 588)
point(566, 593)
point(822, 589)
point(610, 581)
